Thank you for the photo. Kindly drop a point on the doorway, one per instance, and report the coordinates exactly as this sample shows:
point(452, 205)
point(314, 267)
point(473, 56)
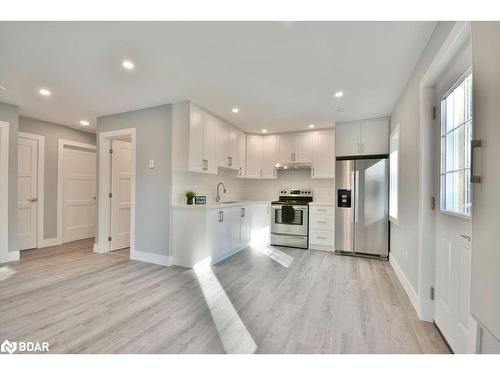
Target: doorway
point(30, 180)
point(116, 218)
point(445, 215)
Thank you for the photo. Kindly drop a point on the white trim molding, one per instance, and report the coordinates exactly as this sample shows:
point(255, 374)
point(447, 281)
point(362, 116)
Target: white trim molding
point(4, 191)
point(103, 215)
point(61, 144)
point(40, 183)
point(162, 260)
point(412, 294)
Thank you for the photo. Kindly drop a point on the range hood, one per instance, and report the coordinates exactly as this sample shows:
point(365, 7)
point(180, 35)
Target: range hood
point(292, 165)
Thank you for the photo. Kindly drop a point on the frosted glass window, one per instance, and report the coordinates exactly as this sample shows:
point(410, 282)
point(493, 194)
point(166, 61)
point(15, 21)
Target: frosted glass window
point(456, 135)
point(394, 175)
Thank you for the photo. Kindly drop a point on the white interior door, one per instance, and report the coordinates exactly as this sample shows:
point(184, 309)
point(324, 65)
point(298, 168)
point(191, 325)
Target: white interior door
point(121, 179)
point(79, 194)
point(27, 187)
point(453, 228)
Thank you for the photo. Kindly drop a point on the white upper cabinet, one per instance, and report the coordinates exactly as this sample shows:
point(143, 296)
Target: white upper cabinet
point(323, 154)
point(227, 145)
point(196, 129)
point(294, 147)
point(303, 147)
point(202, 156)
point(286, 147)
point(347, 138)
point(375, 136)
point(210, 144)
point(368, 137)
point(261, 156)
point(269, 156)
point(254, 156)
point(242, 153)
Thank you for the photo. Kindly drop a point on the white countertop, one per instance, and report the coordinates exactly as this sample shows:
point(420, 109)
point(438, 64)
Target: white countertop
point(213, 206)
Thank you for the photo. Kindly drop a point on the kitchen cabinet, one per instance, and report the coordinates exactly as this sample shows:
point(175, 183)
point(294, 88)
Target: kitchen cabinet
point(217, 232)
point(323, 154)
point(227, 145)
point(261, 156)
point(367, 137)
point(294, 147)
point(242, 153)
point(261, 224)
point(254, 156)
point(303, 147)
point(202, 142)
point(268, 156)
point(321, 227)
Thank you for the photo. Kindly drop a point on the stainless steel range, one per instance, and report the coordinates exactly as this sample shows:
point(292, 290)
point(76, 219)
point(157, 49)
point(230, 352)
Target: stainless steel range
point(290, 218)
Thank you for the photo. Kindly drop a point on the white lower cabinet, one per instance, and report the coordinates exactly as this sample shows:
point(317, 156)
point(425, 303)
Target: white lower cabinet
point(322, 227)
point(216, 232)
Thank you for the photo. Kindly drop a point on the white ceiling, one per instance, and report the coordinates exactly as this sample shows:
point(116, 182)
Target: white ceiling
point(281, 75)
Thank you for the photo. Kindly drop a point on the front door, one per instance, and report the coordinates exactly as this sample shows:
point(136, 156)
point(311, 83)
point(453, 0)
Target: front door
point(121, 167)
point(27, 187)
point(454, 214)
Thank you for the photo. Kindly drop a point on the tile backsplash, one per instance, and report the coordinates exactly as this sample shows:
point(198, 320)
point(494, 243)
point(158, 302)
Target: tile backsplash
point(249, 189)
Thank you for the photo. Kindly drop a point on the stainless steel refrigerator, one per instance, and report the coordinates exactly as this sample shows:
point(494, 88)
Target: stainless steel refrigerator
point(362, 209)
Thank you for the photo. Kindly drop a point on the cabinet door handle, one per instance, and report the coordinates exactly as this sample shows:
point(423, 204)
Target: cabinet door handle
point(321, 210)
point(464, 236)
point(261, 172)
point(313, 172)
point(475, 143)
point(321, 237)
point(291, 156)
point(240, 171)
point(321, 222)
point(221, 216)
point(242, 212)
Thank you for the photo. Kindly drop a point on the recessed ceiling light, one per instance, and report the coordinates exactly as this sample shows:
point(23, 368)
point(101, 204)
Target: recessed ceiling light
point(311, 126)
point(44, 92)
point(84, 123)
point(264, 130)
point(127, 64)
point(339, 94)
point(235, 110)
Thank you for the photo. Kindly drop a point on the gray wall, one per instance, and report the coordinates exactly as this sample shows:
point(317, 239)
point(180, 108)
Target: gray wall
point(404, 238)
point(52, 133)
point(10, 114)
point(153, 141)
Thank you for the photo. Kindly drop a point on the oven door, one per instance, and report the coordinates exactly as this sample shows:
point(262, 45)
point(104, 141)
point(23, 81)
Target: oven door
point(298, 226)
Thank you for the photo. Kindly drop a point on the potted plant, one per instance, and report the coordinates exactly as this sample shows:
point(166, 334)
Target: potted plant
point(190, 196)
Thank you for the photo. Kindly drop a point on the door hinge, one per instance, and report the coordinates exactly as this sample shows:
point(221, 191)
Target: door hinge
point(434, 112)
point(433, 203)
point(110, 195)
point(109, 238)
point(110, 150)
point(432, 293)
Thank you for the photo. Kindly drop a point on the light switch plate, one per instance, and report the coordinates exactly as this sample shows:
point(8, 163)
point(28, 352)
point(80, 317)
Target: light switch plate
point(151, 164)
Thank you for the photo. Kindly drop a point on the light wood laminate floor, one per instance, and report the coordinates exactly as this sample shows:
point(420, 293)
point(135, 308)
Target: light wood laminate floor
point(83, 302)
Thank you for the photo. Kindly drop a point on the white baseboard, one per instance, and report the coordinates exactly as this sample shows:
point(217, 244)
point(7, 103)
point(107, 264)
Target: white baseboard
point(10, 256)
point(162, 260)
point(412, 294)
point(49, 242)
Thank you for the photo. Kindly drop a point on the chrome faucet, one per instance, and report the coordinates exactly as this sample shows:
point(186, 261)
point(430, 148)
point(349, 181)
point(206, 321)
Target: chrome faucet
point(217, 197)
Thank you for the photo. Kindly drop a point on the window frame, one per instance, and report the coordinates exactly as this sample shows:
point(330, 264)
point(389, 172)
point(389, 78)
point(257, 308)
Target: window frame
point(395, 132)
point(442, 204)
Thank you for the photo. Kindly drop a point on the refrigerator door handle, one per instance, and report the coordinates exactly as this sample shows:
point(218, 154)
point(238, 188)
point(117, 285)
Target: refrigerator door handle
point(356, 195)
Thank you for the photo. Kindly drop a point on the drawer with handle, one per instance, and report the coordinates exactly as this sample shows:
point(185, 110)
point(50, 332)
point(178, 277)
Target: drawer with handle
point(321, 222)
point(321, 237)
point(321, 210)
